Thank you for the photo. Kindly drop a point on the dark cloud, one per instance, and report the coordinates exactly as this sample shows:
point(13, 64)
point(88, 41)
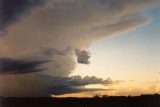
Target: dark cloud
point(10, 10)
point(67, 90)
point(74, 84)
point(79, 81)
point(82, 56)
point(14, 66)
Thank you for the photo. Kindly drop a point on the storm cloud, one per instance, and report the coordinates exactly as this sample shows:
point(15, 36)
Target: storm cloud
point(14, 66)
point(74, 84)
point(82, 56)
point(51, 85)
point(46, 31)
point(12, 10)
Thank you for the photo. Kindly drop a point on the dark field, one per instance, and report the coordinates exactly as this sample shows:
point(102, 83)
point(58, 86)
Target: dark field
point(105, 101)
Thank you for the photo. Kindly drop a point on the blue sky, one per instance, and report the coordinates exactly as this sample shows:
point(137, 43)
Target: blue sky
point(135, 55)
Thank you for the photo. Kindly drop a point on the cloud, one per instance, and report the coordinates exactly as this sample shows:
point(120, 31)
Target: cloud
point(69, 90)
point(21, 85)
point(11, 10)
point(79, 81)
point(46, 31)
point(82, 56)
point(14, 66)
point(74, 84)
point(49, 25)
point(50, 52)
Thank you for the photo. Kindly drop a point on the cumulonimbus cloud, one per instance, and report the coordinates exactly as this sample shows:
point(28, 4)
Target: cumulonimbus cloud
point(46, 32)
point(11, 10)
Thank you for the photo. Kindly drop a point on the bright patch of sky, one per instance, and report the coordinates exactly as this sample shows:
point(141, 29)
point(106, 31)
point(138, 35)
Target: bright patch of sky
point(131, 56)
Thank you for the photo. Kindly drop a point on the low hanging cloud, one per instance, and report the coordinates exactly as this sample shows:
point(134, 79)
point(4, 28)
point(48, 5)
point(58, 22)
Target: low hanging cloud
point(79, 81)
point(15, 66)
point(44, 29)
point(51, 85)
point(74, 84)
point(82, 56)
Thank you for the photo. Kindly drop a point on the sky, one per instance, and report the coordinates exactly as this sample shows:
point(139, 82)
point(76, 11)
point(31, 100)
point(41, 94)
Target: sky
point(139, 48)
point(79, 47)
